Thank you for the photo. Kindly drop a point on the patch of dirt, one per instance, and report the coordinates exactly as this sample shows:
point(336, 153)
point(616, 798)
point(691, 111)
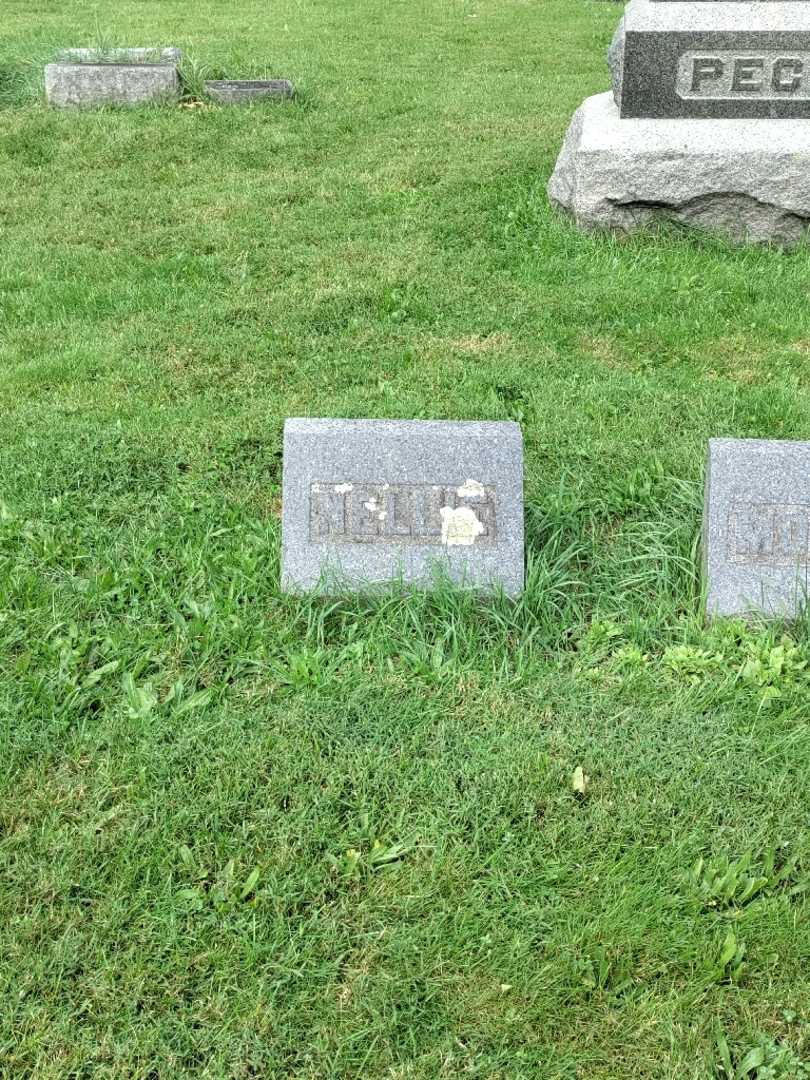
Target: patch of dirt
point(475, 343)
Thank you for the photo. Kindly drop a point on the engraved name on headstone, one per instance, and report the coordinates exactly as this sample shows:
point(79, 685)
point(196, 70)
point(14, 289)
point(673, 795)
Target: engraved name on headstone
point(757, 526)
point(768, 534)
point(372, 501)
point(752, 75)
point(349, 513)
point(714, 58)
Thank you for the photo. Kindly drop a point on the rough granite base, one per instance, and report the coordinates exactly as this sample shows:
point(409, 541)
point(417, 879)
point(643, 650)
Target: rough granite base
point(747, 180)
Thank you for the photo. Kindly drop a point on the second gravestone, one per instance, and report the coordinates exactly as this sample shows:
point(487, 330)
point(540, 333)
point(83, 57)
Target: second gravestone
point(370, 502)
point(756, 527)
point(706, 124)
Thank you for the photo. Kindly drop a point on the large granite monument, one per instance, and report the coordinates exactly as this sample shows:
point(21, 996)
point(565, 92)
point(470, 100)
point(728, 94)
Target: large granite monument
point(708, 122)
point(756, 527)
point(369, 502)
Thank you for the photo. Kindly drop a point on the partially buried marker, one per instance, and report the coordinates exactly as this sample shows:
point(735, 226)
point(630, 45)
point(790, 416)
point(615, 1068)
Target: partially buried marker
point(368, 502)
point(247, 91)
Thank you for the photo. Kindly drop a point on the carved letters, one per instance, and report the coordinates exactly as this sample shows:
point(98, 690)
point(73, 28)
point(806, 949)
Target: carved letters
point(357, 513)
point(769, 534)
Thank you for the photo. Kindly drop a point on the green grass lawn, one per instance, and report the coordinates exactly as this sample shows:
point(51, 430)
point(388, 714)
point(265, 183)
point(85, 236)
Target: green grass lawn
point(243, 835)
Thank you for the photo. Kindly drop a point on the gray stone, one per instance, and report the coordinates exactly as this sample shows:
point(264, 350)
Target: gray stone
point(246, 91)
point(720, 59)
point(169, 55)
point(615, 58)
point(756, 527)
point(86, 85)
point(748, 180)
point(370, 502)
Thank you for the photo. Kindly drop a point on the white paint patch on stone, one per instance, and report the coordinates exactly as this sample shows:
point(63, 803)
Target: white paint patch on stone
point(471, 489)
point(343, 489)
point(374, 507)
point(460, 526)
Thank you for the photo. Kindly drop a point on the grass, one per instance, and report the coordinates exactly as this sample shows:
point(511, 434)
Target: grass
point(243, 834)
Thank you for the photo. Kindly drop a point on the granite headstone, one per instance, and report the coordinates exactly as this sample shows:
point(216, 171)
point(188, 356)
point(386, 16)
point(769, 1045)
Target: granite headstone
point(756, 527)
point(369, 502)
point(705, 125)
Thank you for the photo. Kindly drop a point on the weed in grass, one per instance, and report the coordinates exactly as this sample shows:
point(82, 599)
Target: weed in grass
point(728, 962)
point(732, 883)
point(766, 1059)
point(194, 72)
point(605, 972)
point(774, 669)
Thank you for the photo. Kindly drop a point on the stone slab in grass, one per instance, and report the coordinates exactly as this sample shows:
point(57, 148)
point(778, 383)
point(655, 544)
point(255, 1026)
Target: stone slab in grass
point(246, 91)
point(86, 84)
point(371, 502)
point(747, 180)
point(756, 527)
point(713, 59)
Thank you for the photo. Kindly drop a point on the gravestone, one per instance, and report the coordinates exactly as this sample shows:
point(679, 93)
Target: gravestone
point(369, 502)
point(756, 527)
point(246, 91)
point(88, 78)
point(704, 124)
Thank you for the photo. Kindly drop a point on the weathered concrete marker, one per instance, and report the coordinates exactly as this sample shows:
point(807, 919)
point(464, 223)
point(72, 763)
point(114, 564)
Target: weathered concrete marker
point(88, 78)
point(756, 527)
point(367, 502)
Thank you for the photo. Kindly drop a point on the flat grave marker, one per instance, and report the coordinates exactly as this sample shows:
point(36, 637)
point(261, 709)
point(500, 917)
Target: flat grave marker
point(247, 91)
point(369, 502)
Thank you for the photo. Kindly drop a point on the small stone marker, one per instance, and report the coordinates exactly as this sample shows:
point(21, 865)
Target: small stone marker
point(246, 91)
point(704, 126)
point(756, 527)
point(88, 78)
point(369, 502)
